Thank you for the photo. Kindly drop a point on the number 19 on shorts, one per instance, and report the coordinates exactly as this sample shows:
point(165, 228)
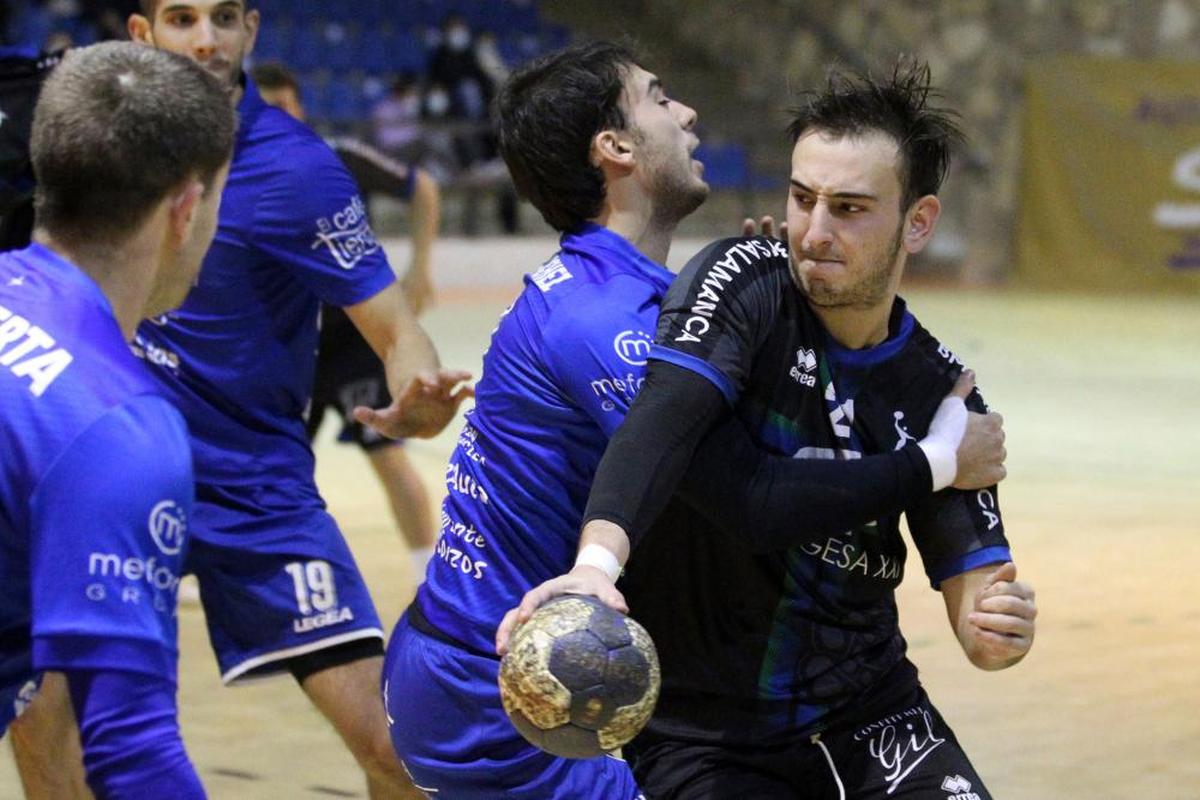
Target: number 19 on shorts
point(313, 581)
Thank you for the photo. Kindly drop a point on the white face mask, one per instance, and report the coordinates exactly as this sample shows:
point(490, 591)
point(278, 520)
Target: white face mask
point(437, 103)
point(458, 39)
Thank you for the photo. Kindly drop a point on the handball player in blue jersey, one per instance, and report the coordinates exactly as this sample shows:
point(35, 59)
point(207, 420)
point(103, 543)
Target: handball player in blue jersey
point(784, 668)
point(600, 148)
point(96, 485)
point(280, 589)
point(349, 374)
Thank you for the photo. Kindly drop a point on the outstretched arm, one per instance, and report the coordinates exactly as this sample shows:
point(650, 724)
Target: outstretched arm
point(768, 502)
point(425, 397)
point(426, 218)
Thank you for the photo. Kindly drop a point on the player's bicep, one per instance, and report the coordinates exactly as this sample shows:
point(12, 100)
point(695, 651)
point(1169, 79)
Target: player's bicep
point(720, 309)
point(109, 535)
point(957, 531)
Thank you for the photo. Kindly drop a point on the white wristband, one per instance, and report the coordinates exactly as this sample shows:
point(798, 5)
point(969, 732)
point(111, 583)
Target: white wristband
point(600, 557)
point(940, 445)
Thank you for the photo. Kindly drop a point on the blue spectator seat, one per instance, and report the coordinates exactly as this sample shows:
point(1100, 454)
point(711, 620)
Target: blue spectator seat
point(726, 166)
point(307, 48)
point(408, 53)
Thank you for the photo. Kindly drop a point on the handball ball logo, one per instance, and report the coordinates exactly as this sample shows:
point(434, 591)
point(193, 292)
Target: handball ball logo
point(167, 526)
point(633, 347)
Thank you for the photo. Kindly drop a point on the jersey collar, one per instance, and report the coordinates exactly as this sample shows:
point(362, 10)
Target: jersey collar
point(900, 328)
point(249, 107)
point(621, 253)
point(43, 260)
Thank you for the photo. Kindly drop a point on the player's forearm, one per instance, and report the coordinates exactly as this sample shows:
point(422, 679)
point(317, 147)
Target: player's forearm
point(411, 352)
point(769, 502)
point(388, 324)
point(650, 451)
point(426, 220)
point(608, 535)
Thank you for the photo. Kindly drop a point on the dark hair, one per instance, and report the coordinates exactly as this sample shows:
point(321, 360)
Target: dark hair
point(119, 125)
point(149, 7)
point(273, 75)
point(851, 104)
point(547, 115)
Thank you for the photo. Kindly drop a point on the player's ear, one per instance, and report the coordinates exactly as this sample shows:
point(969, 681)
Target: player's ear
point(252, 21)
point(920, 221)
point(181, 209)
point(140, 29)
point(613, 150)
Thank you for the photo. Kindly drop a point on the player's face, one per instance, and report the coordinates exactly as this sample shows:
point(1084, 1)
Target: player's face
point(664, 141)
point(844, 218)
point(217, 34)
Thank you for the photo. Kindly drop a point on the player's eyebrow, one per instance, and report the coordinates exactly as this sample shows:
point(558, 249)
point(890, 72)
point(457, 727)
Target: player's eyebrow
point(654, 83)
point(191, 6)
point(840, 195)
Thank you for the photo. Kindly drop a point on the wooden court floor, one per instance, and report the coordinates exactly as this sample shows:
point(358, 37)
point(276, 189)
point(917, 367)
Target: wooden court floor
point(1101, 397)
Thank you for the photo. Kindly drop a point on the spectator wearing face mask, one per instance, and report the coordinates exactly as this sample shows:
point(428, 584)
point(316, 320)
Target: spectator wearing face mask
point(455, 66)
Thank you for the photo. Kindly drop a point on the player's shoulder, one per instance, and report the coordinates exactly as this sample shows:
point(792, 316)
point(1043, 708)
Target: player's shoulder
point(925, 368)
point(571, 293)
point(281, 148)
point(925, 351)
point(735, 257)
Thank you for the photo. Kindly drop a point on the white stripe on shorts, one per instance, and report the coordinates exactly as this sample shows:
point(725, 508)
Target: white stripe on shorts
point(290, 652)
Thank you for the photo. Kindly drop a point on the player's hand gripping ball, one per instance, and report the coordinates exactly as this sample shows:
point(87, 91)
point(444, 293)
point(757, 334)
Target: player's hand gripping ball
point(579, 678)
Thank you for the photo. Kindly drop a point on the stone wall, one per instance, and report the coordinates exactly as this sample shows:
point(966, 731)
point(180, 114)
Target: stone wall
point(740, 63)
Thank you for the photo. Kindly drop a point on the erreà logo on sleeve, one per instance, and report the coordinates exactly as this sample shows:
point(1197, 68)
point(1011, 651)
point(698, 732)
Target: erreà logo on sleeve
point(347, 235)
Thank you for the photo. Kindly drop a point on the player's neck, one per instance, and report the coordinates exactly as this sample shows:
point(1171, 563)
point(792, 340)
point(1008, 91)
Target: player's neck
point(856, 327)
point(650, 237)
point(123, 273)
point(860, 325)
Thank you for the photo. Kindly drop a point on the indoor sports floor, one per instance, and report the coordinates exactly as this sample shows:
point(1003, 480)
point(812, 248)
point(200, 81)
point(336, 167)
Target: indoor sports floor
point(1102, 508)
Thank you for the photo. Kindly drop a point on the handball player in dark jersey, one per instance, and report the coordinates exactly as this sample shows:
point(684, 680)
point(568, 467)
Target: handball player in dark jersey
point(784, 669)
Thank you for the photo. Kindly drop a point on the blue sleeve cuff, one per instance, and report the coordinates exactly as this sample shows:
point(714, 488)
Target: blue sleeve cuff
point(700, 367)
point(988, 555)
point(62, 652)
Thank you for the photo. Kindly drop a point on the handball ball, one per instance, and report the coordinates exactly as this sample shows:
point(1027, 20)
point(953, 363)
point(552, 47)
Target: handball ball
point(579, 678)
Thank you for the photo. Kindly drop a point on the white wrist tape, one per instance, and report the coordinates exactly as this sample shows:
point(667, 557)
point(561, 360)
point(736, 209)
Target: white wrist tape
point(600, 557)
point(940, 445)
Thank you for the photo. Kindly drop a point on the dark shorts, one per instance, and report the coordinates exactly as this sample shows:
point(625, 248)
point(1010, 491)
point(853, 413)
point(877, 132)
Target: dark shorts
point(349, 374)
point(276, 586)
point(449, 729)
point(908, 753)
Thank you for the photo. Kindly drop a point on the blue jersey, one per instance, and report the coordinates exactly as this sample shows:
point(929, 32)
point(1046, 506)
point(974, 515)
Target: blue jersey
point(95, 486)
point(238, 357)
point(563, 366)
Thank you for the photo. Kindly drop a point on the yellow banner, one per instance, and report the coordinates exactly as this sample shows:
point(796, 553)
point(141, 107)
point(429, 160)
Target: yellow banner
point(1110, 185)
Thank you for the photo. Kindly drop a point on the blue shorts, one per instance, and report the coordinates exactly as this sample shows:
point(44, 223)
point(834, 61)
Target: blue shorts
point(450, 730)
point(275, 583)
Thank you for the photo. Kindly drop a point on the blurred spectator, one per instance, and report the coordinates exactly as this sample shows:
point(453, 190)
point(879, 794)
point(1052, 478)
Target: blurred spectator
point(487, 52)
point(396, 119)
point(455, 65)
